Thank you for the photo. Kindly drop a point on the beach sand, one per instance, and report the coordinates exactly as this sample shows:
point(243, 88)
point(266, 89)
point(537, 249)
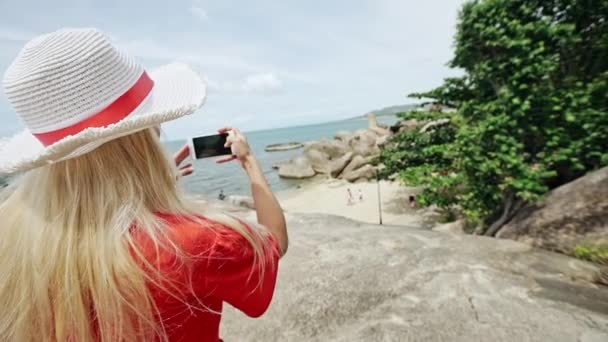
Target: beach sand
point(330, 197)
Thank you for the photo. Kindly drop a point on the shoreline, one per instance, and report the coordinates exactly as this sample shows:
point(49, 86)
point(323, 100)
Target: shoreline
point(329, 196)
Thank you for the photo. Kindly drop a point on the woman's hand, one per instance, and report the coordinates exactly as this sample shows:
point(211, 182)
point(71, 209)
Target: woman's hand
point(179, 158)
point(238, 144)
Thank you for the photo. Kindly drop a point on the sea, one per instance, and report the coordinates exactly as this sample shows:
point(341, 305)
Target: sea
point(210, 178)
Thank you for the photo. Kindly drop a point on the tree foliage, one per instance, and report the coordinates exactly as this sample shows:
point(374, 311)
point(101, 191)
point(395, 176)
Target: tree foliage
point(532, 107)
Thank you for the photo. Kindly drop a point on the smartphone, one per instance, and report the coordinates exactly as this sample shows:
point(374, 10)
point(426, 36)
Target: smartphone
point(209, 146)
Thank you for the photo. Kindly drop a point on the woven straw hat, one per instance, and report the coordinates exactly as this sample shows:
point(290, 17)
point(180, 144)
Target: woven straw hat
point(75, 91)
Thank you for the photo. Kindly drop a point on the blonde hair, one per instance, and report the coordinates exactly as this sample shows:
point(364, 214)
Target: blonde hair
point(68, 262)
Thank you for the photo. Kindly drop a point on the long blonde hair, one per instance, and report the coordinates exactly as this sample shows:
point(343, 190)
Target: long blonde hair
point(67, 269)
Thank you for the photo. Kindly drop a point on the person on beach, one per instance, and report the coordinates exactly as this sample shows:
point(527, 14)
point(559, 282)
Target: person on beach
point(412, 201)
point(98, 241)
point(221, 196)
point(360, 195)
point(349, 197)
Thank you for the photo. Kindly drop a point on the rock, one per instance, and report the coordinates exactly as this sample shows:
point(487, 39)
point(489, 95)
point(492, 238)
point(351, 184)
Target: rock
point(434, 124)
point(241, 201)
point(344, 136)
point(372, 120)
point(456, 227)
point(298, 168)
point(572, 214)
point(354, 164)
point(337, 166)
point(283, 147)
point(380, 131)
point(332, 148)
point(381, 141)
point(405, 126)
point(364, 143)
point(364, 172)
point(322, 164)
point(343, 280)
point(319, 160)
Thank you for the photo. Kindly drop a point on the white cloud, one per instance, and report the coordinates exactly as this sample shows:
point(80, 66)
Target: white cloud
point(198, 11)
point(266, 83)
point(255, 84)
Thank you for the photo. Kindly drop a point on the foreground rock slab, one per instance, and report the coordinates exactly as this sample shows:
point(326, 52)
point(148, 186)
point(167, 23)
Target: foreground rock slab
point(347, 281)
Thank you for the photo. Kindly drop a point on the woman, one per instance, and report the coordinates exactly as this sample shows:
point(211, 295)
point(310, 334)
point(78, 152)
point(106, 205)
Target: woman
point(98, 243)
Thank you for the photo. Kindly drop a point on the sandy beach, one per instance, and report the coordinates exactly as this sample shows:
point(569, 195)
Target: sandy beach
point(330, 197)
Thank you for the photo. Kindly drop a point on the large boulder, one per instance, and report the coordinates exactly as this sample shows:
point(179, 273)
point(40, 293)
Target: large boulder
point(344, 136)
point(380, 131)
point(343, 280)
point(364, 143)
point(322, 164)
point(383, 140)
point(319, 160)
point(298, 168)
point(575, 213)
point(366, 172)
point(332, 148)
point(433, 124)
point(406, 126)
point(336, 166)
point(354, 164)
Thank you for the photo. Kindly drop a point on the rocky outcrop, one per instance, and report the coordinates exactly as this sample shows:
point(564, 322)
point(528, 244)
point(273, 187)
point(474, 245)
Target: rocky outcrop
point(346, 281)
point(575, 213)
point(406, 126)
point(431, 125)
point(344, 136)
point(343, 157)
point(336, 166)
point(298, 168)
point(364, 143)
point(366, 172)
point(350, 154)
point(319, 160)
point(354, 164)
point(332, 148)
point(283, 147)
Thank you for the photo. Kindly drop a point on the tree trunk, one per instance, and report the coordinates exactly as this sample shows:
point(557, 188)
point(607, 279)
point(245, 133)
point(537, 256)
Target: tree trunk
point(512, 205)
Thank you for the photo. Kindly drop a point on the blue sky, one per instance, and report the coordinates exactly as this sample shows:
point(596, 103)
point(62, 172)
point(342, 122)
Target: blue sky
point(268, 63)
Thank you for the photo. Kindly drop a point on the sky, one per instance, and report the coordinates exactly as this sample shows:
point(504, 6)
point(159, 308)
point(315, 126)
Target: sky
point(268, 63)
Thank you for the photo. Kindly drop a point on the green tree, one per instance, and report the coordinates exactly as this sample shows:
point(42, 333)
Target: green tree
point(532, 104)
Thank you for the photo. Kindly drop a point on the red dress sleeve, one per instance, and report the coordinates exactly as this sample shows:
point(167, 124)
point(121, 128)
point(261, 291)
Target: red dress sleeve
point(231, 272)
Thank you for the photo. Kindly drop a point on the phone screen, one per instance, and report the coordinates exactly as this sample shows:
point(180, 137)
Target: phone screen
point(210, 146)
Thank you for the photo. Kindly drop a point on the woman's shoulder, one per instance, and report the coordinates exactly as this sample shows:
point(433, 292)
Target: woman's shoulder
point(201, 235)
point(194, 231)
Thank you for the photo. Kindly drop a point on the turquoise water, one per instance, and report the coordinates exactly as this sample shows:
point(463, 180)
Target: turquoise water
point(209, 178)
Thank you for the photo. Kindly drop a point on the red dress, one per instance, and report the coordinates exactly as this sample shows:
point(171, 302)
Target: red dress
point(223, 271)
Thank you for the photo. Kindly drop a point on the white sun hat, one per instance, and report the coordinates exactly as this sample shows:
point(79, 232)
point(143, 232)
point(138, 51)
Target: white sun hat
point(75, 91)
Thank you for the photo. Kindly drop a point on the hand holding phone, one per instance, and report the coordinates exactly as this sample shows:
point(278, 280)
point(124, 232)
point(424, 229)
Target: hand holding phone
point(210, 146)
point(238, 144)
